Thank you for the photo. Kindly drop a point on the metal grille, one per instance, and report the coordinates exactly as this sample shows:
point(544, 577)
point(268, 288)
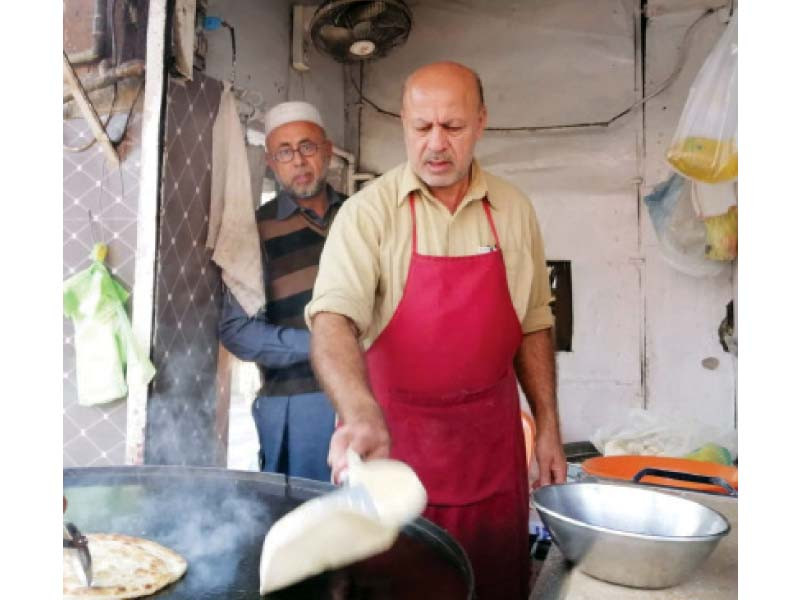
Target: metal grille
point(95, 436)
point(182, 406)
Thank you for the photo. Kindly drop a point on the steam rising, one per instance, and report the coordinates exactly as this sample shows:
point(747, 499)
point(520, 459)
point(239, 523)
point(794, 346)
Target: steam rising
point(212, 533)
point(217, 528)
point(182, 407)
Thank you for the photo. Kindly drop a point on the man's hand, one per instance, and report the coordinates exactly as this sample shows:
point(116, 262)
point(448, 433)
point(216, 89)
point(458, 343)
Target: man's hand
point(368, 437)
point(535, 367)
point(339, 364)
point(550, 457)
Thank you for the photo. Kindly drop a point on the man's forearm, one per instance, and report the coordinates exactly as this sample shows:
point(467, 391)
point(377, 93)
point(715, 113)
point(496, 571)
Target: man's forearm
point(535, 367)
point(339, 364)
point(340, 367)
point(255, 339)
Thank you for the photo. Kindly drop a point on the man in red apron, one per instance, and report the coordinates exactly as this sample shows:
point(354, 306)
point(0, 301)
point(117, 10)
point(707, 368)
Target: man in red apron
point(417, 271)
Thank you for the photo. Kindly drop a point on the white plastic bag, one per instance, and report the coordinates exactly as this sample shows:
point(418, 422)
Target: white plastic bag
point(712, 200)
point(681, 233)
point(705, 144)
point(648, 434)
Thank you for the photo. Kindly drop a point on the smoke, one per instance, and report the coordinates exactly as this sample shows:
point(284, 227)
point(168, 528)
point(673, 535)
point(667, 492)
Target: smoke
point(181, 412)
point(216, 523)
point(217, 536)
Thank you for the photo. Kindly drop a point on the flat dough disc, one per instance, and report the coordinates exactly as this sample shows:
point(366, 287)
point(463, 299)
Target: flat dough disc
point(122, 567)
point(325, 534)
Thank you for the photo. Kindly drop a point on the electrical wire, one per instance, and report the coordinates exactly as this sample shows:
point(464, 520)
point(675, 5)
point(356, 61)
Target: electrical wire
point(122, 135)
point(121, 138)
point(115, 61)
point(100, 194)
point(115, 52)
point(113, 28)
point(91, 142)
point(233, 48)
point(683, 53)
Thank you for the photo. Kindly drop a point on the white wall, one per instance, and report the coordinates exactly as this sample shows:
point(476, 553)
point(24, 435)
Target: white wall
point(262, 46)
point(263, 40)
point(549, 62)
point(683, 313)
point(641, 329)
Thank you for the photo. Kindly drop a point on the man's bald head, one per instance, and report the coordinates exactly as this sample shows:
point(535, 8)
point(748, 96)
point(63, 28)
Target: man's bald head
point(447, 72)
point(443, 117)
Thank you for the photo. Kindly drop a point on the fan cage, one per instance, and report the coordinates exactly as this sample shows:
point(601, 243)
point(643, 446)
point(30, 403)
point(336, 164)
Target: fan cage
point(393, 26)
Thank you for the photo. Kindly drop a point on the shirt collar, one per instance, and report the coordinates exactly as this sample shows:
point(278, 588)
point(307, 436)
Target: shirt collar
point(410, 182)
point(287, 205)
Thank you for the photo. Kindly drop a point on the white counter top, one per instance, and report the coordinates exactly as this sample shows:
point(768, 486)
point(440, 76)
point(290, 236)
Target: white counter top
point(715, 580)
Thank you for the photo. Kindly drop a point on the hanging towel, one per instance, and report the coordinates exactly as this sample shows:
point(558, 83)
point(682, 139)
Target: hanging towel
point(232, 230)
point(105, 350)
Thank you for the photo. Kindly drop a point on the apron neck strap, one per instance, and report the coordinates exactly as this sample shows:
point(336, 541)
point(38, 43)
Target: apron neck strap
point(411, 199)
point(491, 221)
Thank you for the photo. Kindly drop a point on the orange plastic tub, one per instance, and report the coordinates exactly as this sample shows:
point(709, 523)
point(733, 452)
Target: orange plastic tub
point(626, 468)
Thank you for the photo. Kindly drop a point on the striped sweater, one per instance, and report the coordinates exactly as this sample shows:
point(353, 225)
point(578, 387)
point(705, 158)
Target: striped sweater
point(291, 247)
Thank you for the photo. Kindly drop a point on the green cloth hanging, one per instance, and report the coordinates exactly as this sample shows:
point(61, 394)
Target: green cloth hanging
point(105, 350)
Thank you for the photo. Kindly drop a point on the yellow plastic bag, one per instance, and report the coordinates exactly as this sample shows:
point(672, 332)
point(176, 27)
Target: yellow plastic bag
point(722, 235)
point(705, 144)
point(705, 159)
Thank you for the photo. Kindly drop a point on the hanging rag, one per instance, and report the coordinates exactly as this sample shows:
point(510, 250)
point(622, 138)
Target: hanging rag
point(105, 349)
point(232, 229)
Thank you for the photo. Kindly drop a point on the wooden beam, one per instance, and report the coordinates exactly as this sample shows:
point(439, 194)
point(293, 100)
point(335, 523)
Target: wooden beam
point(88, 111)
point(147, 222)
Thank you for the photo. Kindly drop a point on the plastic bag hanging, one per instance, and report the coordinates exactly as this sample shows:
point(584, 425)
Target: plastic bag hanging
point(680, 231)
point(722, 235)
point(106, 353)
point(705, 144)
point(716, 206)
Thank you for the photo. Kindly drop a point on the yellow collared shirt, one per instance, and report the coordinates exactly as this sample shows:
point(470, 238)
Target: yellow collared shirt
point(364, 265)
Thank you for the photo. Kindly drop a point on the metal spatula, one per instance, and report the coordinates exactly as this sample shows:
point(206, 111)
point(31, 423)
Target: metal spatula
point(78, 545)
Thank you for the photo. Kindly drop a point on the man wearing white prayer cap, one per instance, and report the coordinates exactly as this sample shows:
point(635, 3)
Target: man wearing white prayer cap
point(293, 418)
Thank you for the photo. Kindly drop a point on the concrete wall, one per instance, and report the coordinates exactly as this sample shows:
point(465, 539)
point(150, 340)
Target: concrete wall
point(263, 40)
point(640, 329)
point(95, 435)
point(262, 46)
point(683, 313)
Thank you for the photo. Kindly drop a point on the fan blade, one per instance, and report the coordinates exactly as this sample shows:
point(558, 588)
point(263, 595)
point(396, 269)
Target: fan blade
point(392, 18)
point(361, 30)
point(388, 36)
point(350, 30)
point(335, 35)
point(364, 13)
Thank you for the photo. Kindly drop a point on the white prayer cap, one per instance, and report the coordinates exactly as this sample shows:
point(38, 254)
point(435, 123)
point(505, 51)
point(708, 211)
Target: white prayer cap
point(288, 112)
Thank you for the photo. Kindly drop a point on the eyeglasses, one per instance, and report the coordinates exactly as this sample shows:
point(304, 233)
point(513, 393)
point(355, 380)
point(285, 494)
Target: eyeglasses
point(306, 148)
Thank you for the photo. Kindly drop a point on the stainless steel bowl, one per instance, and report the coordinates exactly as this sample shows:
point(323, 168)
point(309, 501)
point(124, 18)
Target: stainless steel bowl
point(629, 535)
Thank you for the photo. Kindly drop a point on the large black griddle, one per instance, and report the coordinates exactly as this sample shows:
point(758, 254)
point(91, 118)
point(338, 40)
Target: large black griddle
point(217, 520)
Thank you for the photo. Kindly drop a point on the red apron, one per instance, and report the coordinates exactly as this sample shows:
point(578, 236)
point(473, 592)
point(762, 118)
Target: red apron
point(442, 371)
